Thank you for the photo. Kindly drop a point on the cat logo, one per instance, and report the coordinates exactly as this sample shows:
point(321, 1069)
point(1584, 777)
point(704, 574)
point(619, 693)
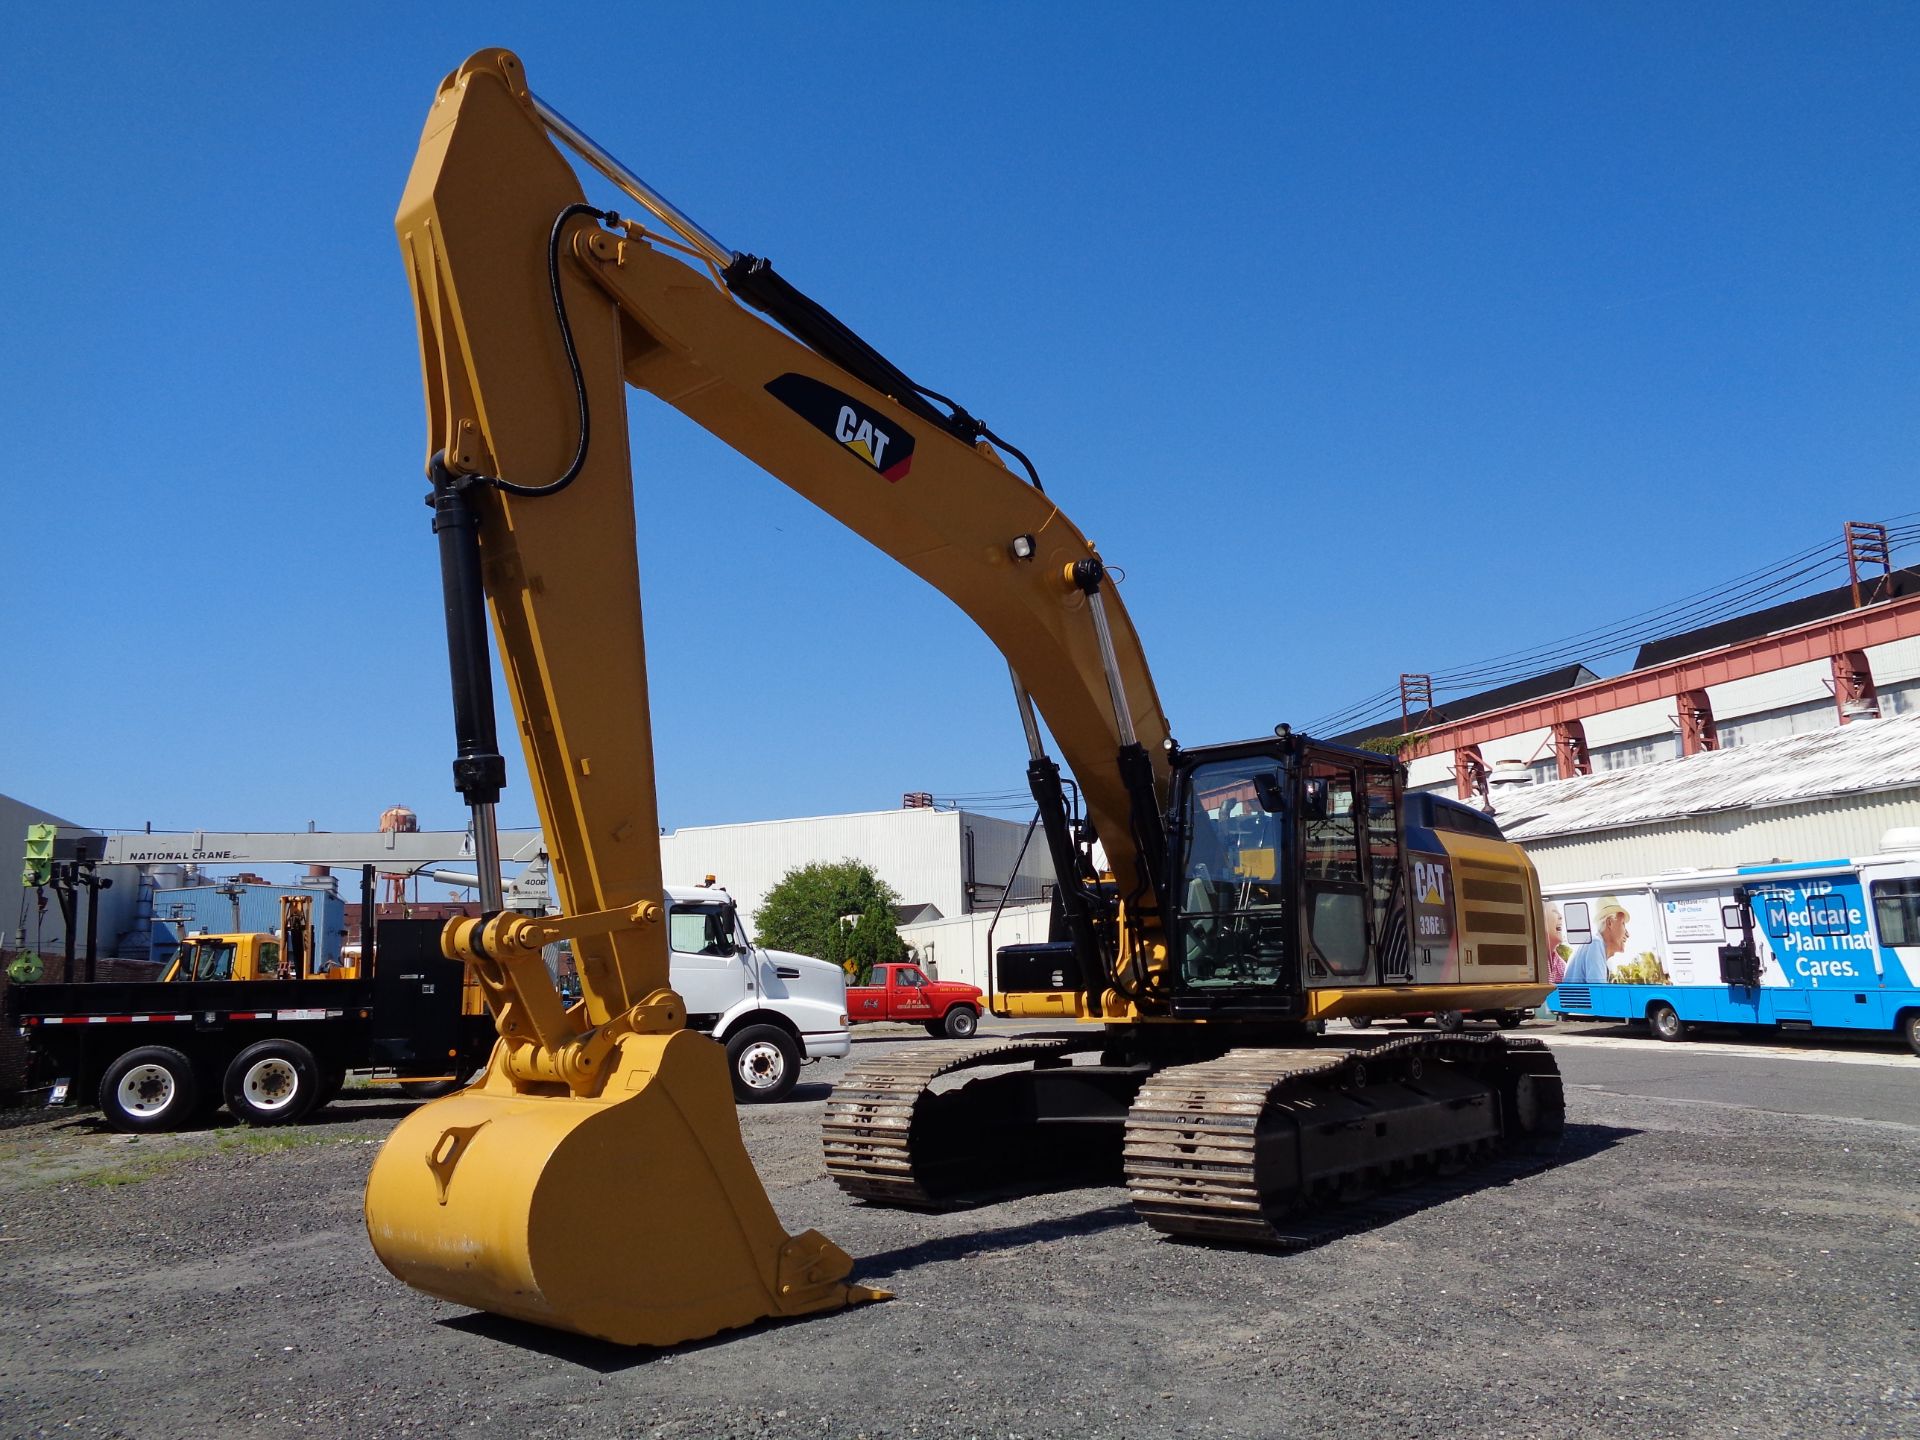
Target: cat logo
point(860, 429)
point(863, 437)
point(1430, 881)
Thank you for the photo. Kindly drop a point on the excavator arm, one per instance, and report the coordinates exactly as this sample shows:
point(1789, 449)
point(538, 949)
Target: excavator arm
point(535, 311)
point(657, 308)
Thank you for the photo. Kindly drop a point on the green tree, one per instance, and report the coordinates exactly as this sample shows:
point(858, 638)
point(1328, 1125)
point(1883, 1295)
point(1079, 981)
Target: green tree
point(839, 911)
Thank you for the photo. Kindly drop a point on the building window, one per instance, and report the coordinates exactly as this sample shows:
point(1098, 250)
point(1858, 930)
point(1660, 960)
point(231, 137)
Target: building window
point(1544, 772)
point(1630, 753)
point(1899, 699)
point(1772, 724)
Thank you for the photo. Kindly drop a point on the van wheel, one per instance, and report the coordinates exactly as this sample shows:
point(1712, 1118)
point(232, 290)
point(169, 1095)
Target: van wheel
point(765, 1064)
point(1507, 1019)
point(275, 1082)
point(149, 1090)
point(1910, 1028)
point(1665, 1022)
point(962, 1021)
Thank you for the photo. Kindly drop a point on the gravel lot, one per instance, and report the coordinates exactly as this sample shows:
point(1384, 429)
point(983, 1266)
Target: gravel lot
point(1687, 1270)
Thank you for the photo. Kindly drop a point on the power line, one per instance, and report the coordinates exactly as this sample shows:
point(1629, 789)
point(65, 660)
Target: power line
point(1725, 601)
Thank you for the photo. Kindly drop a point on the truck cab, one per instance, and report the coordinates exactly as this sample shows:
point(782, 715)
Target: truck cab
point(225, 957)
point(772, 1009)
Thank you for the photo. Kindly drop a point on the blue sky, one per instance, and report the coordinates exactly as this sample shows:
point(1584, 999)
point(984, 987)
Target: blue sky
point(1363, 338)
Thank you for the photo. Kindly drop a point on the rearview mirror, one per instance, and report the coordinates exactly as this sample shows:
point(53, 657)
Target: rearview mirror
point(1273, 799)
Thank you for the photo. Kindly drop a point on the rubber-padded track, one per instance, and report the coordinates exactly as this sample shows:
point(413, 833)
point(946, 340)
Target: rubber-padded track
point(1193, 1137)
point(868, 1133)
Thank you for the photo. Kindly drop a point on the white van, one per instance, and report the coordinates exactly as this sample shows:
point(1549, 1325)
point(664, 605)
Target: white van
point(772, 1009)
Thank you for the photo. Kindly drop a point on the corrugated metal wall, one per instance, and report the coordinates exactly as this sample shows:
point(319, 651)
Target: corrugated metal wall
point(203, 907)
point(920, 853)
point(25, 926)
point(1825, 829)
point(956, 949)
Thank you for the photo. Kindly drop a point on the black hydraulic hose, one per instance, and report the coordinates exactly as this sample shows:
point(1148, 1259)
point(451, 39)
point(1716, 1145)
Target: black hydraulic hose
point(479, 769)
point(567, 477)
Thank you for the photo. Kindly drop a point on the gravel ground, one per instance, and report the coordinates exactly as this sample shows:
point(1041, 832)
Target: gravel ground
point(1687, 1270)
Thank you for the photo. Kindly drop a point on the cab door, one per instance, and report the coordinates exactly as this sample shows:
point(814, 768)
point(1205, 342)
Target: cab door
point(1336, 899)
point(707, 968)
point(907, 994)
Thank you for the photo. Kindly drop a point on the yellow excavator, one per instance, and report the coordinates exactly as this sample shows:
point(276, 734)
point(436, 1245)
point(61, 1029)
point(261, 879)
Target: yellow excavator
point(1218, 904)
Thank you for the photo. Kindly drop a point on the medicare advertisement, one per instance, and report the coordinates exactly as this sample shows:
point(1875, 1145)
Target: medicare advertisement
point(1813, 933)
point(1809, 933)
point(1605, 937)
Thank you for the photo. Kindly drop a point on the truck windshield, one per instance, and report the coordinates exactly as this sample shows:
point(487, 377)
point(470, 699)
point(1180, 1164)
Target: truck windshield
point(1233, 903)
point(211, 960)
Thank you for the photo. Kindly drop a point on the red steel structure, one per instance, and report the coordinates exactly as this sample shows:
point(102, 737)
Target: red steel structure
point(1840, 640)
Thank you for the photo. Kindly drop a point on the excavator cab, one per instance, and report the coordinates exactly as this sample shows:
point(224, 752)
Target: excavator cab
point(1287, 866)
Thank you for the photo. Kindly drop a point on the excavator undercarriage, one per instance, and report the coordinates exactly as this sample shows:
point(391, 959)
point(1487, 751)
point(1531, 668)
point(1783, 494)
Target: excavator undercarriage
point(1259, 1146)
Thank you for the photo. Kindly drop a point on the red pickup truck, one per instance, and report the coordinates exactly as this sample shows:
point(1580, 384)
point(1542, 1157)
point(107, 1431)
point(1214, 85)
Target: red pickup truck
point(903, 993)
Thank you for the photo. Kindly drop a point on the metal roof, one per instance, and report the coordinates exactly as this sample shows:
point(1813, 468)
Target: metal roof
point(1465, 707)
point(1789, 615)
point(1854, 759)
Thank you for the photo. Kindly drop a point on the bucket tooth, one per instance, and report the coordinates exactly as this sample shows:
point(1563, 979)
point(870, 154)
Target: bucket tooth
point(634, 1216)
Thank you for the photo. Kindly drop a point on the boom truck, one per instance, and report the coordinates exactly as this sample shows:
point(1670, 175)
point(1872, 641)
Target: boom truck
point(1253, 888)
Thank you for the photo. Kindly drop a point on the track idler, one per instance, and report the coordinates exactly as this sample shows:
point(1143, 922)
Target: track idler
point(633, 1215)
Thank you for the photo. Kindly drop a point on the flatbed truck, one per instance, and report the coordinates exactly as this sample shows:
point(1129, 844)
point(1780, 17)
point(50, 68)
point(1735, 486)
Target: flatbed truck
point(158, 1054)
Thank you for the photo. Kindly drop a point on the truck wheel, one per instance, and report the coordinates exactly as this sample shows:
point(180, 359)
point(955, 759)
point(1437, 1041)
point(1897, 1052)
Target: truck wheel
point(961, 1022)
point(1665, 1021)
point(1360, 1022)
point(1451, 1021)
point(765, 1064)
point(275, 1082)
point(1507, 1019)
point(149, 1090)
point(331, 1084)
point(1910, 1027)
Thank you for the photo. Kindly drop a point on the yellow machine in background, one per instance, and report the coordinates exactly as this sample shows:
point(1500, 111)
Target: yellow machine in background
point(596, 1179)
point(290, 953)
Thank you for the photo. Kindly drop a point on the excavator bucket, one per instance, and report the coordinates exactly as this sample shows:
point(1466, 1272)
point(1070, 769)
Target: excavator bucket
point(634, 1216)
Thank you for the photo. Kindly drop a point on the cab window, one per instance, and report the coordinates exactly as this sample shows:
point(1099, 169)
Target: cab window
point(213, 962)
point(908, 976)
point(703, 930)
point(1896, 911)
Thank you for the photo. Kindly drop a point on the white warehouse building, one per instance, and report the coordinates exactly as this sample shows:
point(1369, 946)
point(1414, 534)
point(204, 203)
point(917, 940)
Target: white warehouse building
point(1827, 794)
point(943, 864)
